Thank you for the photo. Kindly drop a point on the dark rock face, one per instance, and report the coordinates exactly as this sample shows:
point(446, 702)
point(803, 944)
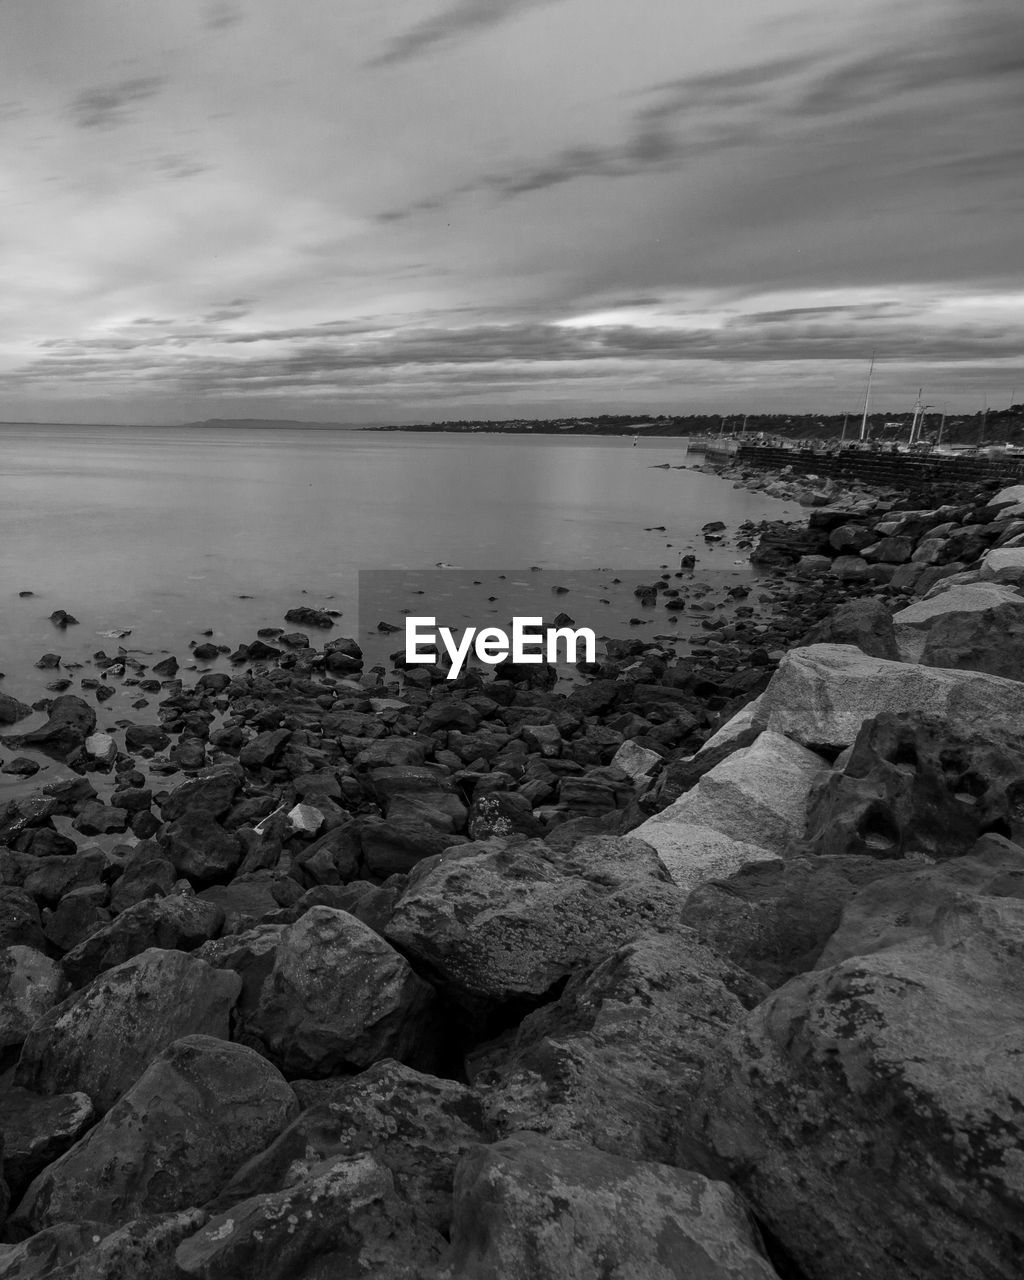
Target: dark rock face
point(338, 998)
point(774, 918)
point(307, 617)
point(213, 792)
point(101, 1039)
point(138, 736)
point(912, 785)
point(198, 847)
point(865, 623)
point(20, 924)
point(202, 1109)
point(177, 922)
point(71, 722)
point(37, 1129)
point(11, 710)
point(886, 1090)
point(530, 1206)
point(617, 1059)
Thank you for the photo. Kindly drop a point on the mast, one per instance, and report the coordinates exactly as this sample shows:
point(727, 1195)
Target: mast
point(867, 397)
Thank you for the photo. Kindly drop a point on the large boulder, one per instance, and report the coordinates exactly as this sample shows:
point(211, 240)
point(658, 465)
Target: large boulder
point(20, 923)
point(913, 787)
point(338, 998)
point(30, 985)
point(203, 1108)
point(36, 1130)
point(873, 1111)
point(177, 922)
point(101, 1039)
point(866, 623)
point(70, 722)
point(774, 918)
point(978, 625)
point(530, 1208)
point(341, 1218)
point(617, 1059)
point(498, 923)
point(143, 1247)
point(822, 694)
point(1004, 564)
point(422, 793)
point(212, 792)
point(750, 807)
point(416, 1125)
point(198, 847)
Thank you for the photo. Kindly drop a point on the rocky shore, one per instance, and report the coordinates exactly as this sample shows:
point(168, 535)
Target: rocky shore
point(700, 967)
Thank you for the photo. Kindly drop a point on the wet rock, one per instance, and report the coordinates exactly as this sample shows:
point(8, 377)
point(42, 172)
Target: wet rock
point(307, 617)
point(174, 922)
point(886, 1090)
point(265, 749)
point(202, 1109)
point(138, 736)
point(213, 792)
point(501, 814)
point(101, 1039)
point(37, 1129)
point(20, 924)
point(146, 875)
point(30, 985)
point(11, 710)
point(616, 1061)
point(421, 793)
point(338, 998)
point(393, 848)
point(21, 766)
point(749, 808)
point(78, 914)
point(70, 722)
point(530, 1206)
point(96, 819)
point(334, 858)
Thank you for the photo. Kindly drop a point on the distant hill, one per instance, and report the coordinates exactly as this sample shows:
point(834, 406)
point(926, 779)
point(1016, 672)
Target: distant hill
point(277, 424)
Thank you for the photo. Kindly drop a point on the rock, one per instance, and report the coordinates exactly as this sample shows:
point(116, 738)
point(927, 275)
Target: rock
point(101, 1039)
point(850, 569)
point(774, 918)
point(418, 792)
point(617, 1059)
point(416, 1125)
point(635, 760)
point(532, 1207)
point(146, 875)
point(903, 903)
point(71, 721)
point(306, 617)
point(849, 539)
point(896, 549)
point(979, 626)
point(886, 1090)
point(250, 954)
point(501, 814)
point(101, 750)
point(338, 998)
point(341, 1219)
point(501, 922)
point(391, 752)
point(198, 847)
point(213, 792)
point(52, 878)
point(912, 787)
point(821, 695)
point(750, 807)
point(139, 736)
point(1005, 565)
point(202, 1109)
point(21, 766)
point(36, 1131)
point(61, 618)
point(11, 710)
point(305, 820)
point(865, 623)
point(95, 819)
point(333, 858)
point(265, 749)
point(20, 924)
point(30, 984)
point(166, 668)
point(175, 922)
point(390, 848)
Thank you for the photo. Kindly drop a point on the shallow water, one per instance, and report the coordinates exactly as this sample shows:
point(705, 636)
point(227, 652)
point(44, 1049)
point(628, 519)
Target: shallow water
point(163, 531)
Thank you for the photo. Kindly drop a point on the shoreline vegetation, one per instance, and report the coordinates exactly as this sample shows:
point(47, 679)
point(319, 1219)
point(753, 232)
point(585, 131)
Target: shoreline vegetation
point(718, 950)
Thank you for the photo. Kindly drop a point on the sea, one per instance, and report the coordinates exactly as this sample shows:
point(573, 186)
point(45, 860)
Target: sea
point(158, 538)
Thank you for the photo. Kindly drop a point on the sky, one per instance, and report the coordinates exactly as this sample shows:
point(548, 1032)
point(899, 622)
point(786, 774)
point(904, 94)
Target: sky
point(358, 211)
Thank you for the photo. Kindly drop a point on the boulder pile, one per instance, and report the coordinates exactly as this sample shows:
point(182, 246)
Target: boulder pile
point(701, 968)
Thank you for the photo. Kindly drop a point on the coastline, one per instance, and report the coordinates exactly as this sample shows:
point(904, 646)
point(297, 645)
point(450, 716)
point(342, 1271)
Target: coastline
point(492, 856)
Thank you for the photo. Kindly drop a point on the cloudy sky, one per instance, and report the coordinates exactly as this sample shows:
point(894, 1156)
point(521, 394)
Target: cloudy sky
point(407, 210)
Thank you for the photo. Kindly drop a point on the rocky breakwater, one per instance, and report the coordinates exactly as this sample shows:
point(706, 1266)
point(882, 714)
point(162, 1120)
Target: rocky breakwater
point(696, 968)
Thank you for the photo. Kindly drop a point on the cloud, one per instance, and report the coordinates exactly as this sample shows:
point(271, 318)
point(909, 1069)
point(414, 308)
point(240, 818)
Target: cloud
point(463, 18)
point(106, 106)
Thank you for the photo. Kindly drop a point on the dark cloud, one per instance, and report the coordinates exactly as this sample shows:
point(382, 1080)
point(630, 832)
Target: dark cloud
point(108, 105)
point(222, 14)
point(463, 18)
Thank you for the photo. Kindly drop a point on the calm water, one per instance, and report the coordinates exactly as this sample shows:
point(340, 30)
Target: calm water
point(162, 530)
